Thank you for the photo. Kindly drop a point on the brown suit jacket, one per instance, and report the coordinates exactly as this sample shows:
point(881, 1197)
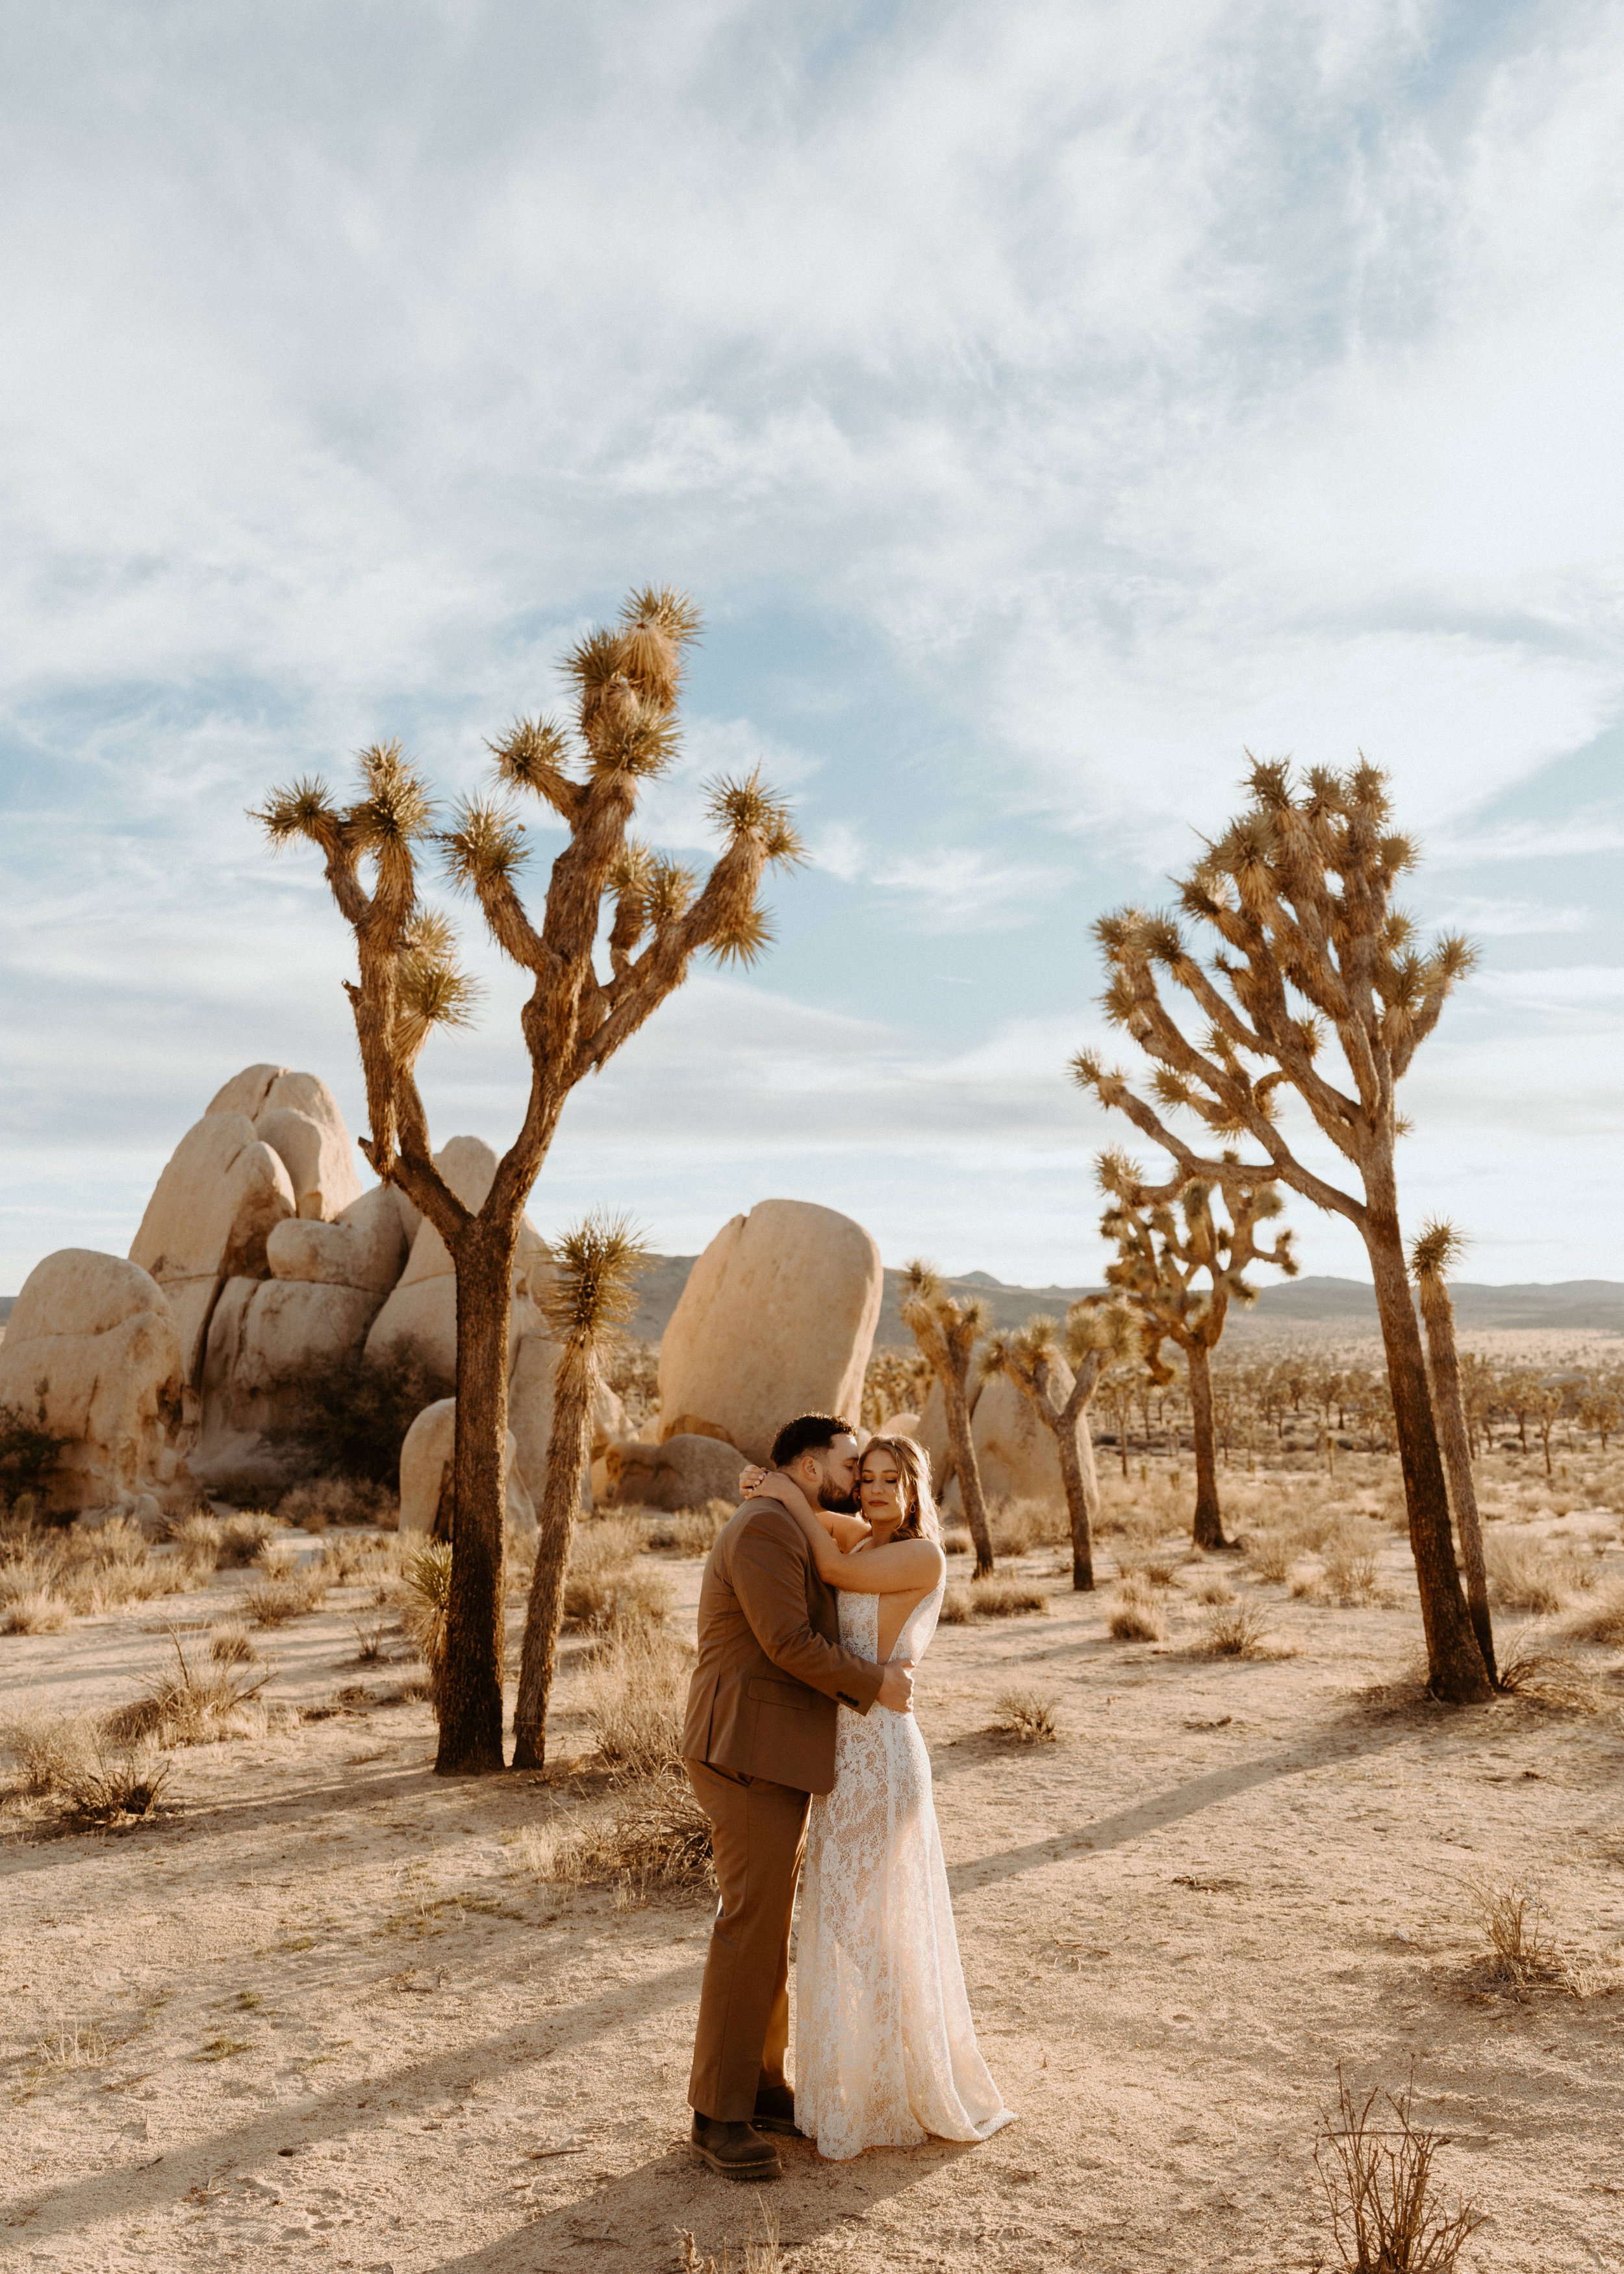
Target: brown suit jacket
point(772, 1668)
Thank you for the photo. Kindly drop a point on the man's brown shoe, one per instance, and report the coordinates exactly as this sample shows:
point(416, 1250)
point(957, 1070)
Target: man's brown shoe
point(737, 2150)
point(775, 2111)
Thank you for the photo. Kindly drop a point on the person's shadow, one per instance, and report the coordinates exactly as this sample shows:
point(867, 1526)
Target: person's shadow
point(633, 2224)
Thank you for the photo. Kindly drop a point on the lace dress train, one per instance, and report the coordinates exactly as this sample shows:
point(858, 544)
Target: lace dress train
point(885, 2051)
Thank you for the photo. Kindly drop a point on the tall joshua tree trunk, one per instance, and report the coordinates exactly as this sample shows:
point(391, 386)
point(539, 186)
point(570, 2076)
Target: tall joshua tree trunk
point(470, 1699)
point(946, 1333)
point(593, 1292)
point(1431, 1258)
point(610, 901)
point(1298, 894)
point(1208, 1530)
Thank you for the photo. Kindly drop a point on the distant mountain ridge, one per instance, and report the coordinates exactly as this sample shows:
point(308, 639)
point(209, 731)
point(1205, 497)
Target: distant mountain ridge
point(1314, 1300)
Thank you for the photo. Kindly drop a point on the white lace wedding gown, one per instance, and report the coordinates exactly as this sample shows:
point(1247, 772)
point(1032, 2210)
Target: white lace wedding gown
point(885, 2051)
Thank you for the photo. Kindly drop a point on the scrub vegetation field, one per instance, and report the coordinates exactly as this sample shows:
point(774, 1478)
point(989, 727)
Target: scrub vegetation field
point(272, 1992)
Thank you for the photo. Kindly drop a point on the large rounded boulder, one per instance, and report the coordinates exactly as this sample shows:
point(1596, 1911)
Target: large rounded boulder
point(92, 1353)
point(222, 1193)
point(683, 1473)
point(777, 1319)
point(1014, 1450)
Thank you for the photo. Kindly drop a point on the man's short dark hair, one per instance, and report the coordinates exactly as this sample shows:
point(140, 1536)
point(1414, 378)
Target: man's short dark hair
point(811, 1433)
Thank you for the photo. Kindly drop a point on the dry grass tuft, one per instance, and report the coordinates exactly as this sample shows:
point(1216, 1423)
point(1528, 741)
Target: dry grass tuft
point(35, 1611)
point(80, 2046)
point(1526, 1574)
point(762, 2258)
point(1271, 1555)
point(634, 1694)
point(65, 1759)
point(958, 1542)
point(1520, 1954)
point(1006, 1599)
point(654, 1835)
point(1137, 1615)
point(338, 1499)
point(187, 1708)
point(243, 1537)
point(1214, 1588)
point(688, 1531)
point(1020, 1525)
point(1603, 1620)
point(1547, 1675)
point(1237, 1630)
point(1028, 1716)
point(231, 1645)
point(607, 1588)
point(1379, 2188)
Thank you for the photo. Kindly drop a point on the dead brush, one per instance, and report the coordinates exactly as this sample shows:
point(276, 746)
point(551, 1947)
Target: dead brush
point(1381, 2188)
point(1235, 1631)
point(289, 1590)
point(1136, 1616)
point(762, 2258)
point(66, 1759)
point(1017, 1526)
point(1006, 1599)
point(1601, 1621)
point(635, 1694)
point(33, 1611)
point(957, 1541)
point(1521, 1953)
point(687, 1531)
point(189, 1706)
point(654, 1835)
point(1213, 1588)
point(242, 1536)
point(1546, 1674)
point(1027, 1716)
point(231, 1645)
point(1526, 1574)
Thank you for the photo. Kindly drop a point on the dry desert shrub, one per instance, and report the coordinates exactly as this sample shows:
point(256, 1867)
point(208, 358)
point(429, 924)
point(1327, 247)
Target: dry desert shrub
point(1380, 2189)
point(634, 1694)
point(327, 1500)
point(955, 1611)
point(957, 1543)
point(1027, 1715)
point(1005, 1599)
point(189, 1706)
point(76, 2045)
point(1520, 1951)
point(688, 1531)
point(1525, 1575)
point(762, 2258)
point(1213, 1588)
point(654, 1835)
point(1136, 1616)
point(1271, 1555)
point(1235, 1631)
point(65, 1759)
point(606, 1586)
point(1547, 1675)
point(33, 1611)
point(231, 1645)
point(242, 1536)
point(1601, 1621)
point(1152, 1569)
point(1351, 1577)
point(1020, 1525)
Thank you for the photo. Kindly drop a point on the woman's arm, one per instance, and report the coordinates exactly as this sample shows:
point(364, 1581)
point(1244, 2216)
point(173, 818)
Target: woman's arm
point(905, 1567)
point(847, 1531)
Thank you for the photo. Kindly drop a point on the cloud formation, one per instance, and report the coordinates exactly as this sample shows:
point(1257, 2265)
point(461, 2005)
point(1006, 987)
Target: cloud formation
point(1046, 404)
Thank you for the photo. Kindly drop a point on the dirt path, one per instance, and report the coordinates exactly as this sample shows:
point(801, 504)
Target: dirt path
point(324, 2015)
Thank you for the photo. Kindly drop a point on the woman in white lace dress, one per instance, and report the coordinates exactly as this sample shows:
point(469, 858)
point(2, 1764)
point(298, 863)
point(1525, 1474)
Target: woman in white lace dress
point(885, 2051)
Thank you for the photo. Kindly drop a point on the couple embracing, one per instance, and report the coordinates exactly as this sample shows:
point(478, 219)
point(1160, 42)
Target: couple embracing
point(820, 1596)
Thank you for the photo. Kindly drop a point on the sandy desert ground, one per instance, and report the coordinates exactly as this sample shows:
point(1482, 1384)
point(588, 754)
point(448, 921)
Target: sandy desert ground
point(322, 2012)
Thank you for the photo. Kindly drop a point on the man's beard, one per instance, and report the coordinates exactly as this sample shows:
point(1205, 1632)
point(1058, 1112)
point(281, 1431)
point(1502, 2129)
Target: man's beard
point(838, 1502)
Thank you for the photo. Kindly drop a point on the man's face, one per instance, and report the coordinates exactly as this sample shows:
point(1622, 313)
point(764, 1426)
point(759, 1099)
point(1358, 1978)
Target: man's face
point(834, 1476)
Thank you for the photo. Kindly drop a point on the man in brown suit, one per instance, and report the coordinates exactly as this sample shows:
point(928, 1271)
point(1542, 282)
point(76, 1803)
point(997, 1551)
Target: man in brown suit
point(758, 1742)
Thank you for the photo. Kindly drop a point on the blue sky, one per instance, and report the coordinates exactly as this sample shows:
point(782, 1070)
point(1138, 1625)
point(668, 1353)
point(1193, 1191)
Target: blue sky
point(1045, 403)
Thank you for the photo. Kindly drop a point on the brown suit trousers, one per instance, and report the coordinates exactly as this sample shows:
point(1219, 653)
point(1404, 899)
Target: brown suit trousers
point(759, 1739)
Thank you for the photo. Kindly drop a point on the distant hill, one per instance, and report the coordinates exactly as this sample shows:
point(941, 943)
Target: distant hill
point(1314, 1301)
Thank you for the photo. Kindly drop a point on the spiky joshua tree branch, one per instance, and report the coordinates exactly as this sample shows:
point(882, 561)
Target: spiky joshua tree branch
point(1295, 901)
point(658, 916)
point(1181, 1265)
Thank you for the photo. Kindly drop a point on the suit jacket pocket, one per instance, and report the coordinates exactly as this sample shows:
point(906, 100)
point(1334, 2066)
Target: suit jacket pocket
point(764, 1691)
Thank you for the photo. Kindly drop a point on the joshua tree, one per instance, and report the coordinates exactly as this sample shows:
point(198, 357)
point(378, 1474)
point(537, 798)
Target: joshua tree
point(1296, 897)
point(593, 1293)
point(577, 1017)
point(946, 1331)
point(1096, 1333)
point(1433, 1257)
point(1169, 1239)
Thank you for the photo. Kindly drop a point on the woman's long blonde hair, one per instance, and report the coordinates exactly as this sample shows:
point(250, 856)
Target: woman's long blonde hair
point(919, 1520)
